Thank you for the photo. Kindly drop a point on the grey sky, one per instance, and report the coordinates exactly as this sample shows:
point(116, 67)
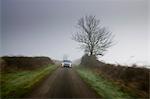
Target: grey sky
point(44, 27)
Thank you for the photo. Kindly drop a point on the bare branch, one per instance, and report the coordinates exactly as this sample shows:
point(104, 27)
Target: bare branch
point(95, 39)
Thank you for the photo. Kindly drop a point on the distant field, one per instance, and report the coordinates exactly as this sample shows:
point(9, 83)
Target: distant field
point(16, 84)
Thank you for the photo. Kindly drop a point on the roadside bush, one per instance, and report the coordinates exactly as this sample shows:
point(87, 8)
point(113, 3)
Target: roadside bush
point(134, 79)
point(22, 62)
point(2, 64)
point(89, 61)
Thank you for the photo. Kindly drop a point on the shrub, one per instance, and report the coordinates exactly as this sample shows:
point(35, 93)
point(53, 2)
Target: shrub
point(89, 61)
point(22, 62)
point(135, 79)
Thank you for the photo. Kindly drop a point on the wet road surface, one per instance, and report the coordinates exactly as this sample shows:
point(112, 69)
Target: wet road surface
point(63, 83)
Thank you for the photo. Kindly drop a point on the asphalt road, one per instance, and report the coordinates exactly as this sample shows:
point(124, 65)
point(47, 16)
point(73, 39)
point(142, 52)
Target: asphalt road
point(63, 83)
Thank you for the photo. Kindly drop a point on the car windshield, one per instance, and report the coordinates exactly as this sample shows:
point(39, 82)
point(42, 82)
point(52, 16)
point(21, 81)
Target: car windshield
point(66, 61)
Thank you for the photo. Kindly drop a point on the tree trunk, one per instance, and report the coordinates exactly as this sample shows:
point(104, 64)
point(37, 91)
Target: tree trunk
point(91, 53)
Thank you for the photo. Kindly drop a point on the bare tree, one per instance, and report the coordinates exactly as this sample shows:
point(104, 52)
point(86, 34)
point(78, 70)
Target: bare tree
point(94, 38)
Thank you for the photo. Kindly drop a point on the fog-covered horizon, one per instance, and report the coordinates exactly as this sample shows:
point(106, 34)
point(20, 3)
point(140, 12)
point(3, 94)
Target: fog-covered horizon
point(45, 28)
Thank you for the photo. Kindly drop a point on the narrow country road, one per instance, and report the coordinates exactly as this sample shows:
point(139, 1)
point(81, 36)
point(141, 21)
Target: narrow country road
point(63, 83)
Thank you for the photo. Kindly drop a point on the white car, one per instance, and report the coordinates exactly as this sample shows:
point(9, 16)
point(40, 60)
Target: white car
point(66, 63)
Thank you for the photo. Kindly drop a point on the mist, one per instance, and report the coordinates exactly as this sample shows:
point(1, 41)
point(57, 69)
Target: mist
point(45, 28)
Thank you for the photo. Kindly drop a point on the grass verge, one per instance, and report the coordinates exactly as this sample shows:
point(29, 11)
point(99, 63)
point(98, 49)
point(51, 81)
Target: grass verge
point(105, 88)
point(16, 84)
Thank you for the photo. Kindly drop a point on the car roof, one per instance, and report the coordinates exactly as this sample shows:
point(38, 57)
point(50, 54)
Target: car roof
point(66, 61)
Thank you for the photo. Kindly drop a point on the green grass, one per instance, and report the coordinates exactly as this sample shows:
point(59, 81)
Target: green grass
point(105, 88)
point(16, 84)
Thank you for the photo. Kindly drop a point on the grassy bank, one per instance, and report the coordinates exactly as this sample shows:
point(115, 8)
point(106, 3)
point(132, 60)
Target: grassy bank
point(16, 84)
point(105, 88)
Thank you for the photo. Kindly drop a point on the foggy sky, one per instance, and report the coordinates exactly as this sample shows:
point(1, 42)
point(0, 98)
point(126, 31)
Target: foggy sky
point(45, 27)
